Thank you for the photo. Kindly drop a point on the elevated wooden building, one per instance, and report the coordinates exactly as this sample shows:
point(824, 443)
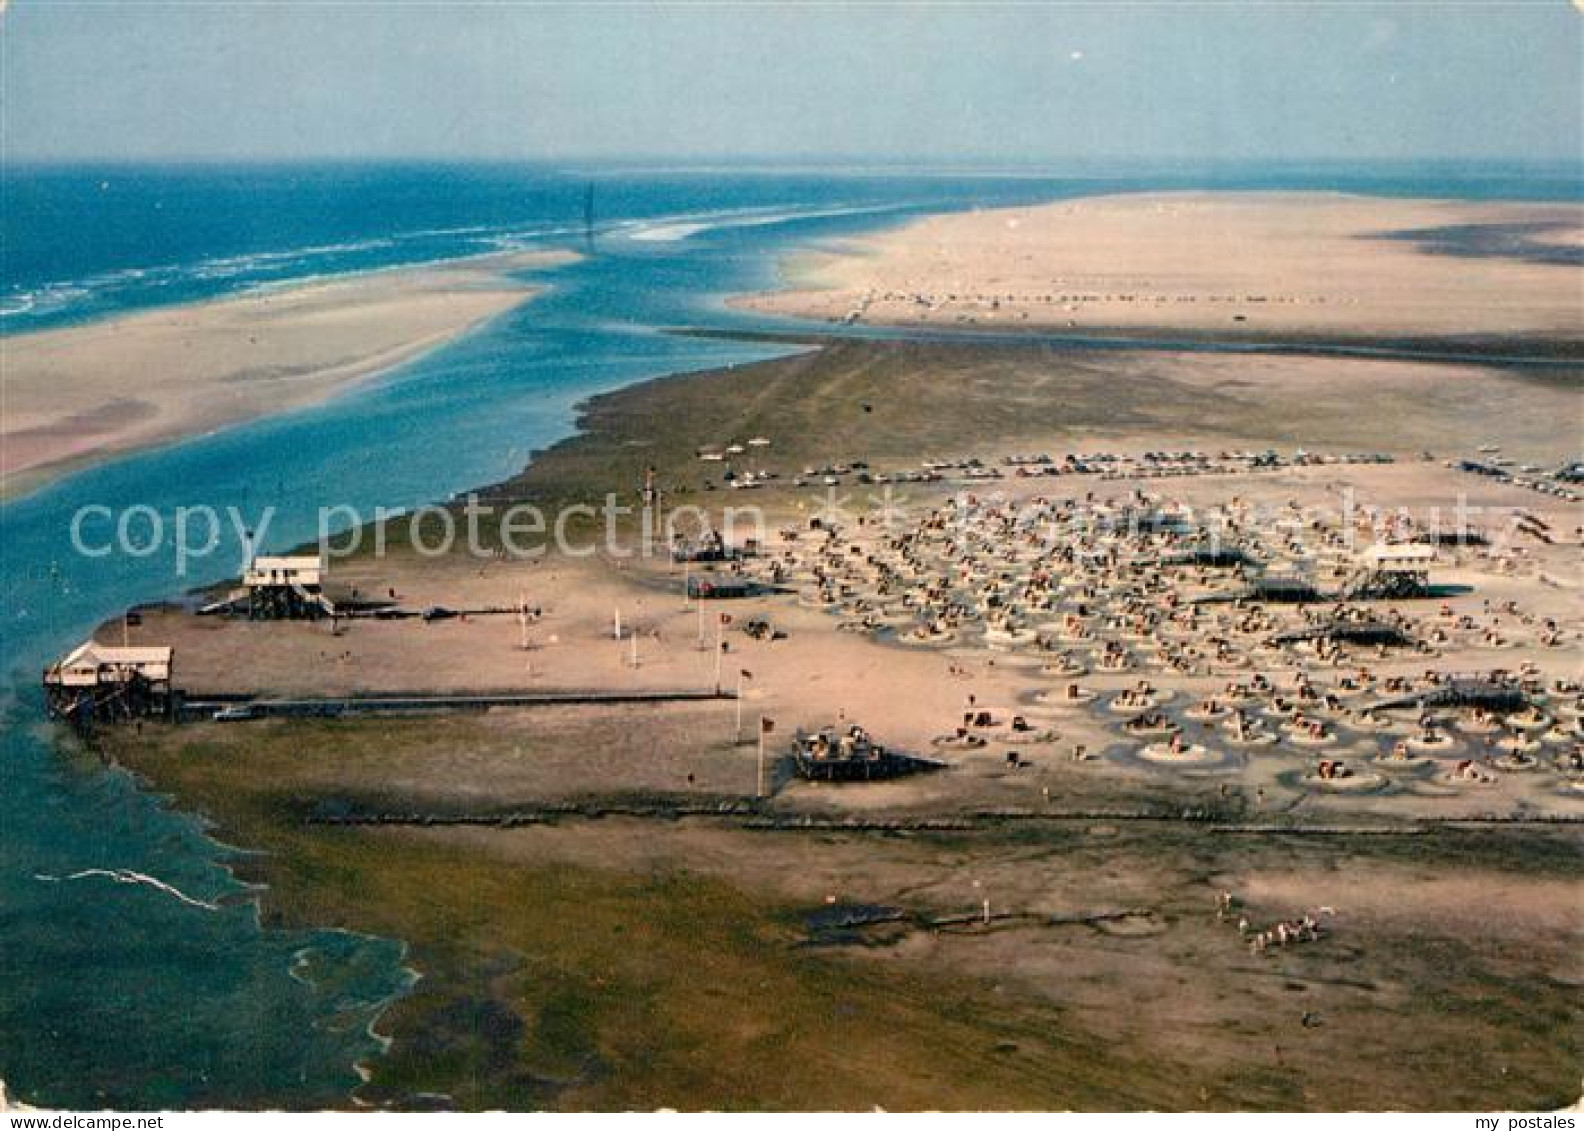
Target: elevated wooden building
point(1281, 589)
point(1343, 629)
point(1392, 571)
point(287, 588)
point(708, 548)
point(1207, 553)
point(1496, 692)
point(107, 683)
point(715, 587)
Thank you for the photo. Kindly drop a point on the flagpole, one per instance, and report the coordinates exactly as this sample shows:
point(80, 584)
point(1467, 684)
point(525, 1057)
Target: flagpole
point(761, 756)
point(720, 628)
point(737, 733)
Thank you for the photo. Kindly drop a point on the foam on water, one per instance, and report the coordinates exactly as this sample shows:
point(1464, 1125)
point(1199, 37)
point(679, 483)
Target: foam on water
point(677, 230)
point(129, 876)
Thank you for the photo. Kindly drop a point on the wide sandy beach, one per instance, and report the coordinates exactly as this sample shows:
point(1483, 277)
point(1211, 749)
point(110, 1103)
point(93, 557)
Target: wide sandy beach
point(605, 913)
point(1257, 265)
point(1151, 782)
point(82, 394)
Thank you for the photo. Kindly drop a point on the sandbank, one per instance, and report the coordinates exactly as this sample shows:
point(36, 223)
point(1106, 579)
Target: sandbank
point(1253, 266)
point(79, 395)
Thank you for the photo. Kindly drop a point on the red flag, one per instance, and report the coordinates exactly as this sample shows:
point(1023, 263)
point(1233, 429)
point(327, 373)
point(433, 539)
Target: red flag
point(725, 618)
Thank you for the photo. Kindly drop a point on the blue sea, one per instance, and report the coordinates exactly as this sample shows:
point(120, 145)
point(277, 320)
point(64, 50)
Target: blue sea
point(134, 971)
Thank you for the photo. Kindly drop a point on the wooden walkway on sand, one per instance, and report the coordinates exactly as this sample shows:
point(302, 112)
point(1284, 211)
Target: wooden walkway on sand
point(199, 705)
point(758, 815)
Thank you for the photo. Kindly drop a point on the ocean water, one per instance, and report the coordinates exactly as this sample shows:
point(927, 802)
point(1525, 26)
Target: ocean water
point(133, 968)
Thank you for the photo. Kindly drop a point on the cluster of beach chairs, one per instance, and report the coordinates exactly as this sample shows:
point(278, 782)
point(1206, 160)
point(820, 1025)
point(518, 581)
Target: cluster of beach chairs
point(1078, 587)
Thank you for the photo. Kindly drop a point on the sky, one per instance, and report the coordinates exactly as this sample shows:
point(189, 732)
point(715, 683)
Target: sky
point(1002, 82)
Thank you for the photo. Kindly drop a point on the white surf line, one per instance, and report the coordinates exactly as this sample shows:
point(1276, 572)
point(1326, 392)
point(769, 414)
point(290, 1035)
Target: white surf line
point(677, 228)
point(128, 876)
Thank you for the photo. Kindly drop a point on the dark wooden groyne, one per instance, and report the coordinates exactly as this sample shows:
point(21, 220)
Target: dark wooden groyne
point(755, 815)
point(747, 813)
point(241, 706)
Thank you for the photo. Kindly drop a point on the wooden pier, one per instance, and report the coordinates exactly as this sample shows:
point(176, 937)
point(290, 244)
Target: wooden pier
point(230, 707)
